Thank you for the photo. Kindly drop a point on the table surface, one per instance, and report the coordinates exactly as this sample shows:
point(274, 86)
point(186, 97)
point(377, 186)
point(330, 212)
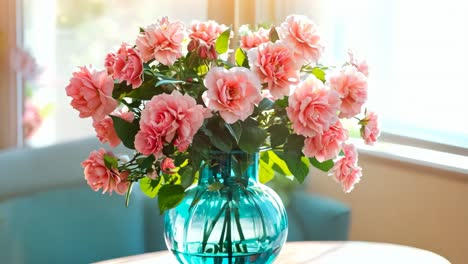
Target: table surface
point(320, 252)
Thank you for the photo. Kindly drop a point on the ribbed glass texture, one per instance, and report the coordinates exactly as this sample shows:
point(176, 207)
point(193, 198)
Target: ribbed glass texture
point(228, 217)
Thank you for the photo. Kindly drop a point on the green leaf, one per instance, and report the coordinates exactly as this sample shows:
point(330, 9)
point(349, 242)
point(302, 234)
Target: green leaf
point(147, 162)
point(273, 36)
point(150, 187)
point(217, 134)
point(252, 136)
point(266, 173)
point(319, 73)
point(146, 91)
point(168, 81)
point(282, 103)
point(120, 90)
point(222, 42)
point(235, 129)
point(265, 104)
point(278, 164)
point(199, 150)
point(278, 134)
point(111, 162)
point(126, 131)
point(127, 195)
point(323, 166)
point(294, 158)
point(187, 176)
point(170, 196)
point(241, 58)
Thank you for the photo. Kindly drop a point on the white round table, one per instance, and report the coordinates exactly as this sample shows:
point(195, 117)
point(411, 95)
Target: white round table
point(320, 252)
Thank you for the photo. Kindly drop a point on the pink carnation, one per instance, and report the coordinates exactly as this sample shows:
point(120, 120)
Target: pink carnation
point(233, 93)
point(105, 128)
point(361, 65)
point(251, 39)
point(32, 119)
point(161, 41)
point(273, 64)
point(352, 87)
point(169, 117)
point(345, 170)
point(109, 62)
point(127, 65)
point(370, 128)
point(312, 108)
point(168, 166)
point(91, 93)
point(203, 37)
point(99, 176)
point(301, 33)
point(327, 145)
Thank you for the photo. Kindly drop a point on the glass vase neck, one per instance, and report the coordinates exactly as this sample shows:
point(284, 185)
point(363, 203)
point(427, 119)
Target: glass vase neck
point(228, 168)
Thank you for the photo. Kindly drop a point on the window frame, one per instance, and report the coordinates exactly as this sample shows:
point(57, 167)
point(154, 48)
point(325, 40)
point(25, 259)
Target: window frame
point(11, 101)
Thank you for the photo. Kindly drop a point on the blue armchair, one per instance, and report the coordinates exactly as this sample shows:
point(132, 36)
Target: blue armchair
point(49, 215)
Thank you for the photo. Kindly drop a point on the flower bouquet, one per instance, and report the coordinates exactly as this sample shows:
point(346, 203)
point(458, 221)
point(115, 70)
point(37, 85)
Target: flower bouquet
point(195, 110)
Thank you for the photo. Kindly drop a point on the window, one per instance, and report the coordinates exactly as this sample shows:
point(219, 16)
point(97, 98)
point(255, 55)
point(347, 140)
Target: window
point(63, 34)
point(416, 50)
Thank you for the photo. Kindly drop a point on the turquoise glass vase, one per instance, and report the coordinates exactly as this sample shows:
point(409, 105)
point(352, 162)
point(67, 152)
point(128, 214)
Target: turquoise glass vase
point(229, 216)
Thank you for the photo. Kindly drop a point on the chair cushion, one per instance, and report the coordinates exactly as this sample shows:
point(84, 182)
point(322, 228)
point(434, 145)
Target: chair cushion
point(73, 225)
point(312, 217)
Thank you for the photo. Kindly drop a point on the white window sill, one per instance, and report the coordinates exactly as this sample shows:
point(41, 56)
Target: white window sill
point(419, 156)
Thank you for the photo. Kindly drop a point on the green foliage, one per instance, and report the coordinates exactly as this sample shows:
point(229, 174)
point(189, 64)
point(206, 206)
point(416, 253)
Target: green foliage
point(217, 132)
point(278, 134)
point(323, 166)
point(235, 129)
point(222, 42)
point(266, 172)
point(297, 164)
point(170, 196)
point(252, 136)
point(319, 73)
point(241, 58)
point(273, 36)
point(126, 131)
point(110, 162)
point(150, 187)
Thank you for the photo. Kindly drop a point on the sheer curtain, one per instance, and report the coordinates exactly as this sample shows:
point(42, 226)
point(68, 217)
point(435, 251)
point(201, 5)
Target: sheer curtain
point(417, 51)
point(63, 34)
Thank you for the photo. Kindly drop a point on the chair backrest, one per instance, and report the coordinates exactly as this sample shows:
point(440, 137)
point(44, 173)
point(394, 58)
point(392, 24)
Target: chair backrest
point(49, 215)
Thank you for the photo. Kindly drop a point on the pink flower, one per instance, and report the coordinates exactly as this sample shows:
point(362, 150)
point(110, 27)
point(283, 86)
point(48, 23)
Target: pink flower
point(128, 66)
point(99, 176)
point(168, 166)
point(91, 93)
point(105, 128)
point(345, 170)
point(249, 39)
point(273, 64)
point(203, 37)
point(370, 128)
point(23, 62)
point(161, 41)
point(32, 119)
point(149, 141)
point(109, 62)
point(352, 87)
point(327, 145)
point(312, 108)
point(233, 93)
point(169, 118)
point(361, 65)
point(301, 33)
